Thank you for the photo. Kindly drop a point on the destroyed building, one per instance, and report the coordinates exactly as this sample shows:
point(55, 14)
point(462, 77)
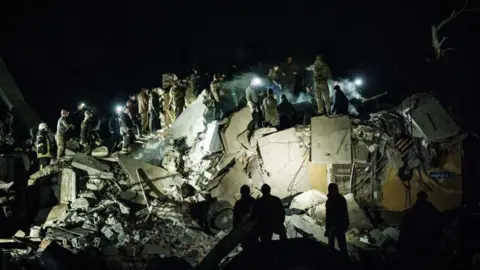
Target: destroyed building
point(174, 195)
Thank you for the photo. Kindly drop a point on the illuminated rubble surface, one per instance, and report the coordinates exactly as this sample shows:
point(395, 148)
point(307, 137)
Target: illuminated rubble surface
point(157, 201)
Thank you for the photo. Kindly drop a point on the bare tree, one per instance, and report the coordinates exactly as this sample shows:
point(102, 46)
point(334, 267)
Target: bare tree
point(436, 43)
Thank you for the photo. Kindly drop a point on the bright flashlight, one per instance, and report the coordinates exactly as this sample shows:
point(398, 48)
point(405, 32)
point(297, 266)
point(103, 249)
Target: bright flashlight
point(358, 82)
point(118, 109)
point(256, 81)
point(82, 105)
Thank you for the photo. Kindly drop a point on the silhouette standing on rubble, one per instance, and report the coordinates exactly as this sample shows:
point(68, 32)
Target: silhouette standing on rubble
point(241, 212)
point(269, 212)
point(337, 220)
point(420, 231)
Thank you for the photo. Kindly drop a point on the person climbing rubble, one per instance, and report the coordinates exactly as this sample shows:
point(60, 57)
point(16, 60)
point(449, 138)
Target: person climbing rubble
point(88, 135)
point(44, 146)
point(269, 212)
point(217, 90)
point(275, 76)
point(337, 220)
point(60, 137)
point(286, 112)
point(269, 108)
point(420, 232)
point(340, 102)
point(321, 75)
point(143, 110)
point(126, 130)
point(241, 212)
point(114, 128)
point(252, 94)
point(177, 98)
point(154, 110)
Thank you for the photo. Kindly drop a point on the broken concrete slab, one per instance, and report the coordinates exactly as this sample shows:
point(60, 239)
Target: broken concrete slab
point(159, 178)
point(308, 199)
point(190, 122)
point(285, 161)
point(101, 151)
point(331, 140)
point(358, 218)
point(237, 125)
point(55, 214)
point(155, 249)
point(251, 143)
point(89, 164)
point(68, 186)
point(227, 186)
point(212, 142)
point(361, 153)
point(429, 119)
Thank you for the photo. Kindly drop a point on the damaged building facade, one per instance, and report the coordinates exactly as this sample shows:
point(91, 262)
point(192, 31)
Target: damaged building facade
point(174, 195)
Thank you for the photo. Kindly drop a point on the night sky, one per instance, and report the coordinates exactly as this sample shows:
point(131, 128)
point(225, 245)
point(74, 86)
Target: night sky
point(61, 53)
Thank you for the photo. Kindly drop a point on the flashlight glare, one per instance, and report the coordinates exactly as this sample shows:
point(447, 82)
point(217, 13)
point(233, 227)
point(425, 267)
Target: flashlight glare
point(118, 108)
point(358, 82)
point(256, 82)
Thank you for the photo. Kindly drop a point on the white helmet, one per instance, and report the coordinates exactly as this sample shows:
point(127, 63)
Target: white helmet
point(42, 126)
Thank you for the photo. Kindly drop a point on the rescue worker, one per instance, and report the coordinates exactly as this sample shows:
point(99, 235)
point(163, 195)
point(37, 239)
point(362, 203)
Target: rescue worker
point(252, 94)
point(269, 108)
point(177, 98)
point(44, 146)
point(88, 135)
point(154, 110)
point(276, 76)
point(269, 212)
point(286, 112)
point(60, 136)
point(133, 113)
point(217, 90)
point(191, 87)
point(114, 128)
point(142, 100)
point(337, 220)
point(126, 129)
point(420, 232)
point(290, 71)
point(241, 212)
point(321, 75)
point(340, 102)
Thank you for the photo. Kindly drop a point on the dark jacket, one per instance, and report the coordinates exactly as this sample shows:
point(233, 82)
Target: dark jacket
point(269, 211)
point(285, 108)
point(43, 144)
point(340, 103)
point(154, 102)
point(242, 209)
point(336, 213)
point(86, 132)
point(114, 125)
point(125, 121)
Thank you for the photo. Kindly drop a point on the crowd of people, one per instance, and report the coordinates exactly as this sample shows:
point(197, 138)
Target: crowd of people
point(149, 110)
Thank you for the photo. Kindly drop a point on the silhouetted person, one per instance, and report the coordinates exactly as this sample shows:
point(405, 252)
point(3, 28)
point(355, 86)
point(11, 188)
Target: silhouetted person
point(420, 231)
point(286, 112)
point(340, 102)
point(241, 212)
point(269, 212)
point(337, 220)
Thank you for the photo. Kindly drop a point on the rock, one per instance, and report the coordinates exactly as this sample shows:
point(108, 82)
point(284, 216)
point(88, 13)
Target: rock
point(308, 199)
point(80, 203)
point(108, 233)
point(101, 151)
point(392, 233)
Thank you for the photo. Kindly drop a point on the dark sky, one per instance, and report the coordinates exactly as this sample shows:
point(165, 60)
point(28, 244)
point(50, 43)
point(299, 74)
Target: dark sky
point(61, 53)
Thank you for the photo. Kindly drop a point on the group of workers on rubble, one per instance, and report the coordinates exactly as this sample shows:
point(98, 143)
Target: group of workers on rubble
point(143, 113)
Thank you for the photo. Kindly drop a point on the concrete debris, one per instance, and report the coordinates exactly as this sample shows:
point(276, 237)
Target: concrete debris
point(174, 196)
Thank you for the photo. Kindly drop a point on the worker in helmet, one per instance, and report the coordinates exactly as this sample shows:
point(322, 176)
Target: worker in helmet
point(211, 98)
point(254, 101)
point(60, 137)
point(126, 129)
point(177, 97)
point(44, 146)
point(87, 133)
point(321, 75)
